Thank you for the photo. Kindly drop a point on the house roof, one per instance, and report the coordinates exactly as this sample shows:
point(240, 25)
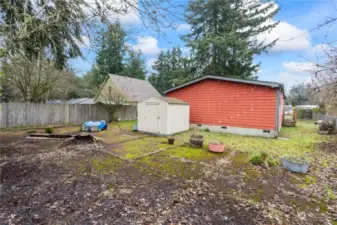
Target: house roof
point(54, 102)
point(89, 101)
point(306, 106)
point(256, 82)
point(134, 90)
point(173, 101)
point(81, 101)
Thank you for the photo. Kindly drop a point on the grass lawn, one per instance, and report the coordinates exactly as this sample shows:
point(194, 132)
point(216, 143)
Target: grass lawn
point(302, 140)
point(136, 148)
point(124, 125)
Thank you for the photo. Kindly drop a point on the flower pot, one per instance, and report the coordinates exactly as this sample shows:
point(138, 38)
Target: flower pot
point(299, 167)
point(216, 147)
point(197, 140)
point(171, 141)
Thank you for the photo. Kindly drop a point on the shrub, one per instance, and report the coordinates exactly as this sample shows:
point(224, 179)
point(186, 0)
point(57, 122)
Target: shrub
point(31, 132)
point(49, 130)
point(316, 110)
point(263, 159)
point(264, 155)
point(271, 162)
point(256, 160)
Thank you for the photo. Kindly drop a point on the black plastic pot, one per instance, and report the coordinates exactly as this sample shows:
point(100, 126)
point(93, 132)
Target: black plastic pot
point(171, 141)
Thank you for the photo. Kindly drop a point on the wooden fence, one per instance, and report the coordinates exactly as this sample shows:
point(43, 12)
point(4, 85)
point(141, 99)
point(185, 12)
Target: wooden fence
point(39, 114)
point(324, 118)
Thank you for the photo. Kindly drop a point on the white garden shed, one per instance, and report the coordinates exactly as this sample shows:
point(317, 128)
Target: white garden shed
point(164, 116)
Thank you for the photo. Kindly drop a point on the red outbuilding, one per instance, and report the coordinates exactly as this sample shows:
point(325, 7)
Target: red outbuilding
point(230, 105)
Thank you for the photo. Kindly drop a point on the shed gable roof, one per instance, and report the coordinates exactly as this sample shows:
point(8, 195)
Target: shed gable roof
point(256, 82)
point(173, 101)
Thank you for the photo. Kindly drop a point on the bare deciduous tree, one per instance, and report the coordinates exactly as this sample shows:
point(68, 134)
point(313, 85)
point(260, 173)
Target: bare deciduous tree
point(31, 80)
point(323, 86)
point(113, 100)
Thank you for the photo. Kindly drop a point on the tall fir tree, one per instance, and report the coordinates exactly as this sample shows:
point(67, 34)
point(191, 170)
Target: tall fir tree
point(110, 45)
point(135, 66)
point(223, 35)
point(172, 69)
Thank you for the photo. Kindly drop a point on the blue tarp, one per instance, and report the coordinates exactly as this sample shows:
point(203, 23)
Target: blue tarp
point(94, 125)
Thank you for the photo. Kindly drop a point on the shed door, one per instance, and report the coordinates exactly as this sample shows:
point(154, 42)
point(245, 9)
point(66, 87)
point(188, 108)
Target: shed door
point(152, 117)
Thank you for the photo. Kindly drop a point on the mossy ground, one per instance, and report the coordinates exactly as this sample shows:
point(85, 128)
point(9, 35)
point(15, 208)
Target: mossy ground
point(118, 132)
point(114, 135)
point(123, 125)
point(171, 166)
point(102, 165)
point(302, 141)
point(196, 154)
point(137, 148)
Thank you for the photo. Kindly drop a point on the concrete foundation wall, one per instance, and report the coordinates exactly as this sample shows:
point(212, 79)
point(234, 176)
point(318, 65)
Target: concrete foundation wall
point(237, 130)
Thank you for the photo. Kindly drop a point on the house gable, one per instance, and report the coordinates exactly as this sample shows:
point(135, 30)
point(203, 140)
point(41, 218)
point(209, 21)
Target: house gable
point(130, 89)
point(108, 89)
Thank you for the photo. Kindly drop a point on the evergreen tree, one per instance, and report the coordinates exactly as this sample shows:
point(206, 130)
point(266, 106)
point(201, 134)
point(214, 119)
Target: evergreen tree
point(33, 26)
point(223, 37)
point(299, 95)
point(86, 86)
point(110, 45)
point(172, 70)
point(135, 66)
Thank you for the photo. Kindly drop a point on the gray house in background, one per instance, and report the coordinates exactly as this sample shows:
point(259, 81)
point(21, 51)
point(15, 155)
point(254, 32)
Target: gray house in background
point(132, 90)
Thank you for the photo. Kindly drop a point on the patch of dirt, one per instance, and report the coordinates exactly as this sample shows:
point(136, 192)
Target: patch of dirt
point(329, 147)
point(45, 183)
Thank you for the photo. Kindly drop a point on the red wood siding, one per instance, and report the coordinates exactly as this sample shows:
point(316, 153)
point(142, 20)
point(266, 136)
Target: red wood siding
point(226, 103)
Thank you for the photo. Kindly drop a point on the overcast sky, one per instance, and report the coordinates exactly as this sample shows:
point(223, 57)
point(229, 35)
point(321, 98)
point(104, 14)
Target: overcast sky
point(287, 62)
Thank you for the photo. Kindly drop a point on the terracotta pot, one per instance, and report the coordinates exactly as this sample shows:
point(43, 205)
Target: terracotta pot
point(216, 147)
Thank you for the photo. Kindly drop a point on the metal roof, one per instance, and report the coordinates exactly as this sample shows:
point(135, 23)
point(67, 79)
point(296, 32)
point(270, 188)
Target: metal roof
point(256, 82)
point(54, 102)
point(89, 101)
point(306, 106)
point(134, 89)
